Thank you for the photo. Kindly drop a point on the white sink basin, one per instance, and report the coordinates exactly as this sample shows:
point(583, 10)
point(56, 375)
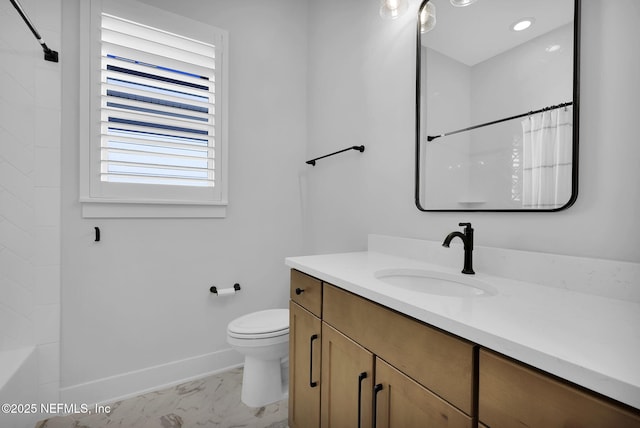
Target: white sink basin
point(434, 282)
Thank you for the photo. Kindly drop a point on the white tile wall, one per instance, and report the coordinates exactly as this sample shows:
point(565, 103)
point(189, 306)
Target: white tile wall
point(30, 90)
point(48, 285)
point(48, 363)
point(47, 323)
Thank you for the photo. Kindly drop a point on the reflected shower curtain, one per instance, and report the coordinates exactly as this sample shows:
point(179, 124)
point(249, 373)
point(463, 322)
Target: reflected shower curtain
point(547, 159)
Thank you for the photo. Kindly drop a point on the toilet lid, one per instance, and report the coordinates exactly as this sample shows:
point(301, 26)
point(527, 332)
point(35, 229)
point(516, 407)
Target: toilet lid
point(269, 323)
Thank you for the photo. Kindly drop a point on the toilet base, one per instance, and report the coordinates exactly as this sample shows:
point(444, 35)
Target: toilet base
point(262, 382)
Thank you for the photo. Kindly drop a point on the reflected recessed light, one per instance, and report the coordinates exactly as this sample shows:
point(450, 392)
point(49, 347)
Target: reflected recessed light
point(553, 48)
point(462, 3)
point(522, 24)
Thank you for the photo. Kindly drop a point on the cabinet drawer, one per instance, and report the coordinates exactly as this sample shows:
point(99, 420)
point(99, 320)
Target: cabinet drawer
point(511, 394)
point(307, 292)
point(438, 361)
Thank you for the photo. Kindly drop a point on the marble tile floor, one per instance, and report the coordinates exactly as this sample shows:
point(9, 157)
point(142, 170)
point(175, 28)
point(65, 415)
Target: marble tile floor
point(213, 401)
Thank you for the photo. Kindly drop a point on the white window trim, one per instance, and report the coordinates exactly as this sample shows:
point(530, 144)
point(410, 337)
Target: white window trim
point(97, 205)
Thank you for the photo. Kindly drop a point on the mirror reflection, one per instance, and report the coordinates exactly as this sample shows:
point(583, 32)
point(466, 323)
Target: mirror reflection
point(496, 105)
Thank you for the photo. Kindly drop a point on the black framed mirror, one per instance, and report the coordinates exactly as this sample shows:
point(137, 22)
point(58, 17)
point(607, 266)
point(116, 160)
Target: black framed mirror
point(497, 105)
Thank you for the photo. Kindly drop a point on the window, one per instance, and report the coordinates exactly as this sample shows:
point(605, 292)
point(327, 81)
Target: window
point(154, 137)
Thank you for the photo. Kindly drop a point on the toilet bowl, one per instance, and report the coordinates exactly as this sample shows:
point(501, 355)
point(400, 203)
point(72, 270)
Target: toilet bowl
point(263, 338)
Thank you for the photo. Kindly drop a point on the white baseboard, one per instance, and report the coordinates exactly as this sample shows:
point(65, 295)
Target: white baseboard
point(131, 384)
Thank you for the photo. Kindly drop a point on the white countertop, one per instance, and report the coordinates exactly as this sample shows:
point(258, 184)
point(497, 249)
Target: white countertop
point(590, 340)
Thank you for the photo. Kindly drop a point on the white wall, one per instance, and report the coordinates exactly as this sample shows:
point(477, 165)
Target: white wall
point(137, 308)
point(30, 192)
point(361, 91)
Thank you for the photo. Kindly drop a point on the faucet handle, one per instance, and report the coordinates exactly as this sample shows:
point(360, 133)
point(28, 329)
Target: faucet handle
point(466, 225)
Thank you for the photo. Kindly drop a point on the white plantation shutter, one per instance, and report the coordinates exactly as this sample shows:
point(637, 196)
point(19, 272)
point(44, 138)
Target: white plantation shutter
point(157, 135)
point(158, 106)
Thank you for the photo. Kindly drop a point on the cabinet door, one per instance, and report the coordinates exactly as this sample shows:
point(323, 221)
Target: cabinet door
point(347, 379)
point(511, 394)
point(400, 402)
point(304, 368)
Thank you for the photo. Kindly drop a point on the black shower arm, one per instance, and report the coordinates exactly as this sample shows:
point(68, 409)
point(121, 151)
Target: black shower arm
point(49, 54)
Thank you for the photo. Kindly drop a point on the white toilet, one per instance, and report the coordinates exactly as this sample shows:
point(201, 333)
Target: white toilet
point(263, 338)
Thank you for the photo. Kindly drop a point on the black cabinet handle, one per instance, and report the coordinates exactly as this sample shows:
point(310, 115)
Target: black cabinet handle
point(299, 291)
point(312, 384)
point(361, 377)
point(376, 389)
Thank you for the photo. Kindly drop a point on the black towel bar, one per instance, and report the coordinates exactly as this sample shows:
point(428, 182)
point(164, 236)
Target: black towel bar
point(358, 148)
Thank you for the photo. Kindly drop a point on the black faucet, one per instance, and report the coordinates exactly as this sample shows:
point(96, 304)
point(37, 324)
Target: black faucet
point(467, 239)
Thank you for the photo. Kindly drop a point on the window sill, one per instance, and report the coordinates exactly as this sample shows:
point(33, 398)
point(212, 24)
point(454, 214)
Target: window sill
point(92, 209)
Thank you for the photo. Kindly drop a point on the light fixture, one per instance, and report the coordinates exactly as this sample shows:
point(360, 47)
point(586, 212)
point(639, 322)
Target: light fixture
point(522, 24)
point(462, 3)
point(427, 17)
point(392, 9)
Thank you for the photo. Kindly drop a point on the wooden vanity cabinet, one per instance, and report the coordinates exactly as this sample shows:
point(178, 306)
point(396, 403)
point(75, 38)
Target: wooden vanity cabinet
point(513, 395)
point(305, 341)
point(425, 377)
point(355, 363)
